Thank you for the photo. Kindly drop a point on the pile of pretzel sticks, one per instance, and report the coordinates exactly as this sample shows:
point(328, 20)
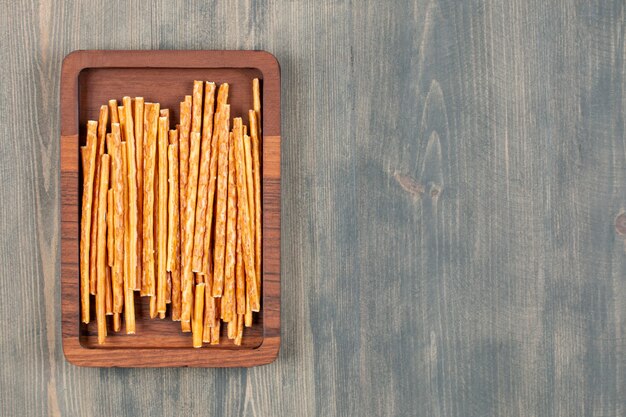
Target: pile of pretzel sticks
point(173, 213)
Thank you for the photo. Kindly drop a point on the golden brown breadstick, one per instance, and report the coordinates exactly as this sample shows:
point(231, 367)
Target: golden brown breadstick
point(192, 183)
point(108, 294)
point(132, 190)
point(219, 118)
point(240, 276)
point(246, 239)
point(196, 107)
point(101, 129)
point(151, 117)
point(183, 162)
point(165, 113)
point(168, 289)
point(129, 302)
point(89, 152)
point(114, 147)
point(231, 328)
point(247, 149)
point(215, 329)
point(221, 204)
point(110, 230)
point(256, 100)
point(101, 250)
point(209, 309)
point(117, 322)
point(153, 306)
point(163, 141)
point(185, 326)
point(231, 231)
point(256, 165)
point(203, 179)
point(198, 309)
point(239, 335)
point(139, 129)
point(173, 224)
point(121, 115)
point(113, 112)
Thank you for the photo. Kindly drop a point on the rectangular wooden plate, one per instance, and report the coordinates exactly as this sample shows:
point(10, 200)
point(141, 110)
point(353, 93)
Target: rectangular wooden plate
point(88, 80)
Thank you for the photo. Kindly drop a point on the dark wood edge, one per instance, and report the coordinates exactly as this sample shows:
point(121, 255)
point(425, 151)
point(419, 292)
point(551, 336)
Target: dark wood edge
point(267, 352)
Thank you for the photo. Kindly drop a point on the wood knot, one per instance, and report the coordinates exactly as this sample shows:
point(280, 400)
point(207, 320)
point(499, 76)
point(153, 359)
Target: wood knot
point(620, 224)
point(408, 184)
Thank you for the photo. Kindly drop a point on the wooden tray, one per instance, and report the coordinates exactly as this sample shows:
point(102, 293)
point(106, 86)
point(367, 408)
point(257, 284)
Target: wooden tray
point(88, 80)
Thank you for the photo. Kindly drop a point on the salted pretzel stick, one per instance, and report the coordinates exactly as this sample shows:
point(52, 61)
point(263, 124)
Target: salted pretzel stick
point(219, 118)
point(139, 129)
point(221, 205)
point(129, 302)
point(101, 250)
point(231, 231)
point(151, 117)
point(198, 309)
point(247, 149)
point(101, 131)
point(215, 329)
point(114, 147)
point(173, 225)
point(163, 141)
point(203, 179)
point(89, 167)
point(240, 276)
point(110, 230)
point(239, 335)
point(168, 288)
point(192, 184)
point(185, 326)
point(256, 166)
point(246, 239)
point(183, 155)
point(132, 190)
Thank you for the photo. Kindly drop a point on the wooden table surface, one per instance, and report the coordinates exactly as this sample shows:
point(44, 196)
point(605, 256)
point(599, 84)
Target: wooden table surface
point(452, 176)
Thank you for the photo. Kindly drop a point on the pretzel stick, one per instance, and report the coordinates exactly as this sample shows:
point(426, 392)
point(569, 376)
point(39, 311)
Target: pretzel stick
point(240, 276)
point(246, 239)
point(183, 164)
point(121, 115)
point(168, 288)
point(231, 231)
point(108, 296)
point(151, 116)
point(203, 179)
point(101, 251)
point(110, 230)
point(231, 328)
point(192, 183)
point(113, 112)
point(198, 309)
point(163, 141)
point(117, 179)
point(256, 162)
point(185, 326)
point(153, 306)
point(218, 120)
point(117, 322)
point(139, 129)
point(256, 100)
point(173, 224)
point(89, 165)
point(101, 131)
point(129, 302)
point(196, 107)
point(132, 190)
point(209, 309)
point(239, 335)
point(221, 205)
point(215, 329)
point(109, 247)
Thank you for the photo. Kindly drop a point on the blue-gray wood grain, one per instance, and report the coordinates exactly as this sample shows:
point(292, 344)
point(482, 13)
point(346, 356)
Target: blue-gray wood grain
point(452, 172)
